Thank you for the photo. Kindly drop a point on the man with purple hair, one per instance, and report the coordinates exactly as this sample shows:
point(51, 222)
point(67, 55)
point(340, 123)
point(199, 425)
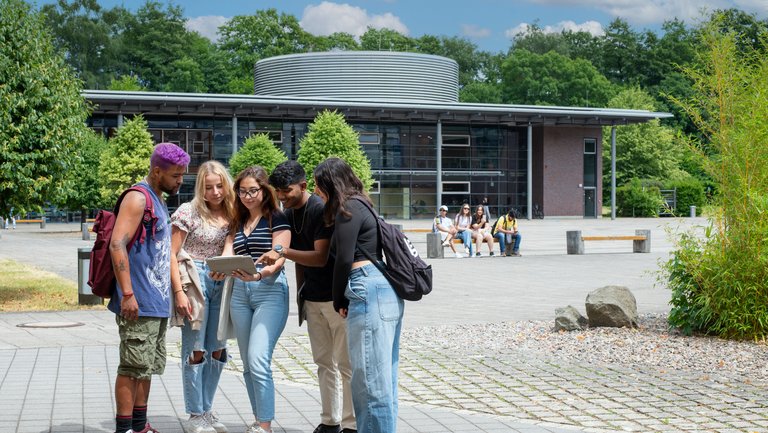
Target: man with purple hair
point(141, 301)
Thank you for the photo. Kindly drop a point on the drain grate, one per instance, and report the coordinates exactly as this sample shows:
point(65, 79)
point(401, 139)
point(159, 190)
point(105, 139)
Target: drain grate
point(50, 324)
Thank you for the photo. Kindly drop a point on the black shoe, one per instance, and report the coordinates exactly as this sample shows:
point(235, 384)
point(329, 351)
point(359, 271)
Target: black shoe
point(491, 254)
point(348, 430)
point(322, 428)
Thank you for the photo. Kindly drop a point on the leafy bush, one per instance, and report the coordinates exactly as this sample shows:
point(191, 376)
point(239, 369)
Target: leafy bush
point(331, 135)
point(719, 281)
point(125, 161)
point(635, 199)
point(257, 150)
point(690, 192)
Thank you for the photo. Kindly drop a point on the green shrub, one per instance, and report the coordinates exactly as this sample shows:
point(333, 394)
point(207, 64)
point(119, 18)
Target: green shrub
point(635, 199)
point(330, 135)
point(690, 192)
point(257, 150)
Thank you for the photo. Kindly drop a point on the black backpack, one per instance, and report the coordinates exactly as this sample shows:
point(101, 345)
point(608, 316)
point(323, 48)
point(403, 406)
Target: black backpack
point(409, 275)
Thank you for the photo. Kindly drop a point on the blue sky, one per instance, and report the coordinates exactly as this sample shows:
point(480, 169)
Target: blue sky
point(488, 23)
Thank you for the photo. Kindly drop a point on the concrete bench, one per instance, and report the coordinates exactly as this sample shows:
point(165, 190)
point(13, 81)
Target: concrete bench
point(641, 241)
point(435, 249)
point(32, 221)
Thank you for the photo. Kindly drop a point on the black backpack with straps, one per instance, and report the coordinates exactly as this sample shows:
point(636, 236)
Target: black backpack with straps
point(409, 275)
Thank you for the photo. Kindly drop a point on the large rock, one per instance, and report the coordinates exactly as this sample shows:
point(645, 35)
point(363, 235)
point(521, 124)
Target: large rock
point(612, 306)
point(569, 319)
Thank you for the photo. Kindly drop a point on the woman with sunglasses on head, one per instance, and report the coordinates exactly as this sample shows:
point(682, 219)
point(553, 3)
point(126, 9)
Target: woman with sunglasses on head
point(362, 295)
point(259, 302)
point(463, 223)
point(199, 230)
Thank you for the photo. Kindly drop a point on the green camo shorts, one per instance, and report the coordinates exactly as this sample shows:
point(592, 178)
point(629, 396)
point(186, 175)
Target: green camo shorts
point(142, 346)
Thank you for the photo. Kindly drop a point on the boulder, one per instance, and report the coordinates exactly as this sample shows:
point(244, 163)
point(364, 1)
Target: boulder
point(612, 306)
point(569, 319)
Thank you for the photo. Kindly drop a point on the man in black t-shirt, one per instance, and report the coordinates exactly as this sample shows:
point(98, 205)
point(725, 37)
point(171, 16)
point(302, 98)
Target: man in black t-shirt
point(309, 250)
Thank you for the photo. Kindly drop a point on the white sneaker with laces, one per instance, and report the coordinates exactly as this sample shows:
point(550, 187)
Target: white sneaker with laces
point(214, 422)
point(198, 424)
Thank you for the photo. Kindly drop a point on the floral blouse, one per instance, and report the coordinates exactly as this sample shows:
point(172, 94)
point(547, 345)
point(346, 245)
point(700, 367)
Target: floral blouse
point(203, 240)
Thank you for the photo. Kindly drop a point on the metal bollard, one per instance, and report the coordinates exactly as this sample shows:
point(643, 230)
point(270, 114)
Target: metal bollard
point(693, 211)
point(42, 223)
point(85, 295)
point(86, 233)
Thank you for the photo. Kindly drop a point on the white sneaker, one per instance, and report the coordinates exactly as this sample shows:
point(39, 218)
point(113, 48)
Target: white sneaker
point(458, 255)
point(214, 422)
point(198, 424)
point(256, 428)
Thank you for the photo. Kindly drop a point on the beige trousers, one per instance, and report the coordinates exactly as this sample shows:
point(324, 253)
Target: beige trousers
point(328, 338)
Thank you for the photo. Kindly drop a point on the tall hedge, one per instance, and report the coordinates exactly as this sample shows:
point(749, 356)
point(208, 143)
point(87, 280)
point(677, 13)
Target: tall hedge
point(259, 150)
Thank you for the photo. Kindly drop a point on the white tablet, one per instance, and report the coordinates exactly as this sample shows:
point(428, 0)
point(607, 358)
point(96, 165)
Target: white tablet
point(228, 264)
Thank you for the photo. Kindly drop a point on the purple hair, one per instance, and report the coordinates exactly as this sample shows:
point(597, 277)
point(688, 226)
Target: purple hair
point(168, 154)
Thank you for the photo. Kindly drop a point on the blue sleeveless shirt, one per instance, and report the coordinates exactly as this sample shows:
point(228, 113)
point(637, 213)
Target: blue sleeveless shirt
point(150, 266)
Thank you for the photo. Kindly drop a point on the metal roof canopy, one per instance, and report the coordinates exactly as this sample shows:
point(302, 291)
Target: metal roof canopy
point(287, 108)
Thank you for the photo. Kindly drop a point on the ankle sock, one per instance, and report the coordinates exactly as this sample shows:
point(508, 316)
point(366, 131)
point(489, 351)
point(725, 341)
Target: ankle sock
point(139, 418)
point(123, 424)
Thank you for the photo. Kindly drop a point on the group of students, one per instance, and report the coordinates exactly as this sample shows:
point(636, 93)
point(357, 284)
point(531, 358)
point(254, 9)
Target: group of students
point(474, 228)
point(353, 314)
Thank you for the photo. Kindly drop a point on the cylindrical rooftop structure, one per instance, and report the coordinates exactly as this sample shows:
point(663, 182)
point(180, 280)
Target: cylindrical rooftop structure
point(359, 75)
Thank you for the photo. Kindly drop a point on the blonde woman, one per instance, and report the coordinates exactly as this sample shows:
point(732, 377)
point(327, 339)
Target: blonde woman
point(199, 230)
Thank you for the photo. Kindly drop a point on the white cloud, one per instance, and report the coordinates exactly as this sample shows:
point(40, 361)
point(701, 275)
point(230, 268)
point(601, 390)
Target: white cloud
point(207, 25)
point(474, 31)
point(592, 27)
point(655, 11)
point(328, 18)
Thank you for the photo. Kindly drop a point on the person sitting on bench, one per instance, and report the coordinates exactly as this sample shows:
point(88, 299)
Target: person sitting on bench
point(505, 230)
point(481, 230)
point(445, 227)
point(463, 221)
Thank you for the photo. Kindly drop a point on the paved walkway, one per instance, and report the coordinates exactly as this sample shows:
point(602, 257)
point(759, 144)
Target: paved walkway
point(60, 379)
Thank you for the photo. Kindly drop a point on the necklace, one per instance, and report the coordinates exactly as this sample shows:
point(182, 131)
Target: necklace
point(249, 227)
point(303, 219)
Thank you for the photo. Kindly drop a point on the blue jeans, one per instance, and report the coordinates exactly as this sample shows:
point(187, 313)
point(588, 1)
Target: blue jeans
point(374, 321)
point(201, 380)
point(505, 238)
point(466, 238)
point(259, 311)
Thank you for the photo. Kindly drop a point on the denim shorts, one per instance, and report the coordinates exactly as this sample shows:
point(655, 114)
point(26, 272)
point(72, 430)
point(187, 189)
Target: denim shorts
point(142, 346)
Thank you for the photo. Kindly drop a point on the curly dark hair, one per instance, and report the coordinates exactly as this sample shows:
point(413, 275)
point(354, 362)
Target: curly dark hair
point(287, 173)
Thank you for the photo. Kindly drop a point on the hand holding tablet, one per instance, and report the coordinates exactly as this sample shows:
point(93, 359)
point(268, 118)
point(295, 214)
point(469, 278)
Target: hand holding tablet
point(229, 264)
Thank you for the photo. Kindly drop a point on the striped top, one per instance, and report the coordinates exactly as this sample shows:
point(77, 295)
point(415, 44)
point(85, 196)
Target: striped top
point(260, 239)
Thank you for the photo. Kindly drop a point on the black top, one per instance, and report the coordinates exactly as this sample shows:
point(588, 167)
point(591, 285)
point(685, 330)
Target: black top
point(259, 241)
point(307, 226)
point(358, 229)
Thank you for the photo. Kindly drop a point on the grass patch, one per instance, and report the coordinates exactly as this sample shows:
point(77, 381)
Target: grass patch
point(26, 288)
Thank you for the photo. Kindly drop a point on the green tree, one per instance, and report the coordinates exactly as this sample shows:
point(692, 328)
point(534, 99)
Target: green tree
point(552, 79)
point(84, 36)
point(245, 39)
point(644, 150)
point(126, 82)
point(386, 40)
point(330, 135)
point(720, 283)
point(42, 115)
point(257, 150)
point(82, 187)
point(125, 161)
point(623, 54)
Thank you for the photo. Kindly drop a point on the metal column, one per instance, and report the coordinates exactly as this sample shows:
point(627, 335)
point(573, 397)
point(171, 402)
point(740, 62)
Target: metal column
point(613, 172)
point(529, 188)
point(234, 135)
point(439, 164)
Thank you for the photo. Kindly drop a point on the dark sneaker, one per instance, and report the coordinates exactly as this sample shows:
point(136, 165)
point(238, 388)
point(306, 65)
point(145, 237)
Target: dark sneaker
point(491, 254)
point(478, 254)
point(322, 428)
point(516, 254)
point(348, 430)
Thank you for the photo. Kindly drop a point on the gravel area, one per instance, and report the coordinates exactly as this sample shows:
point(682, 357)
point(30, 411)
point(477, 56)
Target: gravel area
point(651, 345)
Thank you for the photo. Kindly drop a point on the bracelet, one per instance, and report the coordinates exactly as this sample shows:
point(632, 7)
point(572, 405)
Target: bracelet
point(127, 295)
point(259, 274)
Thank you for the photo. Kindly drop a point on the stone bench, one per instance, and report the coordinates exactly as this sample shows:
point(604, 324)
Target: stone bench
point(435, 249)
point(32, 221)
point(641, 241)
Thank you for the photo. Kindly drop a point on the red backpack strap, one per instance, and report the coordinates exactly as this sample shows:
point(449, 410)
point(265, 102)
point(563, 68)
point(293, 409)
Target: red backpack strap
point(148, 217)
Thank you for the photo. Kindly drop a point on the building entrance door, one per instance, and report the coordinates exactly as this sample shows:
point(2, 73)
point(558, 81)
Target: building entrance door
point(590, 203)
